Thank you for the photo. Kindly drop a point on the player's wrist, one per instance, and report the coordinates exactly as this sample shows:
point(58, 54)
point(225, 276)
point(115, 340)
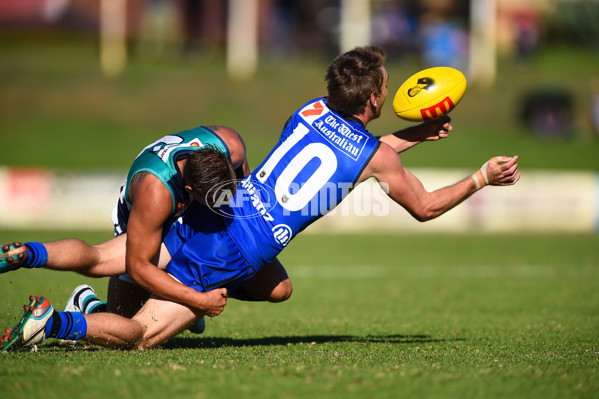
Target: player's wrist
point(480, 177)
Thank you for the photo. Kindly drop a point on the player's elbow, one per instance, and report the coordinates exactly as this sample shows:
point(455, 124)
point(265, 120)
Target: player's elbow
point(422, 218)
point(134, 271)
point(424, 214)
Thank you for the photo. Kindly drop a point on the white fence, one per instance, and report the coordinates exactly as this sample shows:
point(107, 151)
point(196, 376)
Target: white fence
point(543, 201)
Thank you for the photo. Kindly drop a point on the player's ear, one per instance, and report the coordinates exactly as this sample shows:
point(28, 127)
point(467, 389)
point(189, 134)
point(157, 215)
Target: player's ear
point(373, 103)
point(374, 100)
point(188, 189)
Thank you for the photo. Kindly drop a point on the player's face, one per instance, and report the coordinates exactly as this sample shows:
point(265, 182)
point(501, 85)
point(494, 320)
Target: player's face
point(384, 91)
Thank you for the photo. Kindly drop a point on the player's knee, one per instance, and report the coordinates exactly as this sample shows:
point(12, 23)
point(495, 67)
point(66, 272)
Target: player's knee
point(145, 344)
point(282, 291)
point(148, 340)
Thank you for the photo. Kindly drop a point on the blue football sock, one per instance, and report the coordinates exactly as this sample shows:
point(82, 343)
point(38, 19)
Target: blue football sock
point(38, 255)
point(66, 325)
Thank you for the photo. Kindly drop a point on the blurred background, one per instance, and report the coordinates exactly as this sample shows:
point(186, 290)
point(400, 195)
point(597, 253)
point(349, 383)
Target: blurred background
point(85, 84)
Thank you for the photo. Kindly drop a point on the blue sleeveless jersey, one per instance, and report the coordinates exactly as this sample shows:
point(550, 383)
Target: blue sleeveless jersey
point(315, 164)
point(160, 159)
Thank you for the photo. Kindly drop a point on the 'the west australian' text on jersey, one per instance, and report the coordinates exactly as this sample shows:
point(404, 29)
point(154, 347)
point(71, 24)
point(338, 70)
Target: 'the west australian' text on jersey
point(315, 164)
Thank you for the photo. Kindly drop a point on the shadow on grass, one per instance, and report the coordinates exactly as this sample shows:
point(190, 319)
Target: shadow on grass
point(212, 342)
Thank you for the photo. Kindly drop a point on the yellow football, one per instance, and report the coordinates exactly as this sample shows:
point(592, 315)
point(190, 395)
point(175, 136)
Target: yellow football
point(429, 94)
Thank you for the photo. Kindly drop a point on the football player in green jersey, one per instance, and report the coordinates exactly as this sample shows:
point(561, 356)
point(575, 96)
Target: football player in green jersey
point(164, 178)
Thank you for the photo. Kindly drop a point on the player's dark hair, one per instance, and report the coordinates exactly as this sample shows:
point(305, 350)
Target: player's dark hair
point(353, 77)
point(210, 174)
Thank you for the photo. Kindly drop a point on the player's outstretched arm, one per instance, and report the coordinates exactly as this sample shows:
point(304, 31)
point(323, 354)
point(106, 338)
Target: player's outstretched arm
point(405, 189)
point(414, 135)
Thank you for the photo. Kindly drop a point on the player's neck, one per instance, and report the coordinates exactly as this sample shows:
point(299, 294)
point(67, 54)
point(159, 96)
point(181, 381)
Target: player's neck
point(181, 166)
point(363, 118)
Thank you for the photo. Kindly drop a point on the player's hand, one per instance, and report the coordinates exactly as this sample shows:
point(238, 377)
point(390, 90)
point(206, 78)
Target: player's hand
point(215, 302)
point(434, 130)
point(502, 171)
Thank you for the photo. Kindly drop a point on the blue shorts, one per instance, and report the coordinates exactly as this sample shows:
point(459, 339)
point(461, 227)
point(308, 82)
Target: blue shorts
point(203, 255)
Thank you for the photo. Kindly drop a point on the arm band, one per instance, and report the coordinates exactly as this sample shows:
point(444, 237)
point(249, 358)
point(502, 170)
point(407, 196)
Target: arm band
point(480, 176)
point(480, 179)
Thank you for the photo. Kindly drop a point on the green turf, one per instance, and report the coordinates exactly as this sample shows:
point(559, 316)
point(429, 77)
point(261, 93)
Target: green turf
point(371, 316)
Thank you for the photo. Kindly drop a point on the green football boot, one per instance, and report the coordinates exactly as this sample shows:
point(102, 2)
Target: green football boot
point(12, 256)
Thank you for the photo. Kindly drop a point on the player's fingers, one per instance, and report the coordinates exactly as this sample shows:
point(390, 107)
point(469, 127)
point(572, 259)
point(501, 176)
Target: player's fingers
point(508, 176)
point(509, 161)
point(496, 160)
point(517, 177)
point(216, 311)
point(503, 166)
point(511, 170)
point(444, 119)
point(437, 124)
point(511, 179)
point(444, 125)
point(221, 291)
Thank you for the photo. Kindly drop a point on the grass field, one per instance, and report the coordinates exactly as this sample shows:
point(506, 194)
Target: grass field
point(371, 316)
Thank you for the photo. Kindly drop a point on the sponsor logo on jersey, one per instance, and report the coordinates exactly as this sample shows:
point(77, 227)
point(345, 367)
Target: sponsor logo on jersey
point(334, 129)
point(282, 234)
point(165, 151)
point(315, 109)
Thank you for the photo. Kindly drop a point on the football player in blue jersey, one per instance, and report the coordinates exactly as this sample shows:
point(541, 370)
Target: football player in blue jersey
point(323, 152)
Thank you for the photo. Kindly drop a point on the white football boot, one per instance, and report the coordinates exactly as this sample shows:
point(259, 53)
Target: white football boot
point(31, 329)
point(73, 302)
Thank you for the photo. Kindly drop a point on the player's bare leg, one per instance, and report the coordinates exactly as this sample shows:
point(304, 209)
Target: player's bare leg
point(113, 331)
point(162, 320)
point(270, 284)
point(101, 260)
point(69, 254)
